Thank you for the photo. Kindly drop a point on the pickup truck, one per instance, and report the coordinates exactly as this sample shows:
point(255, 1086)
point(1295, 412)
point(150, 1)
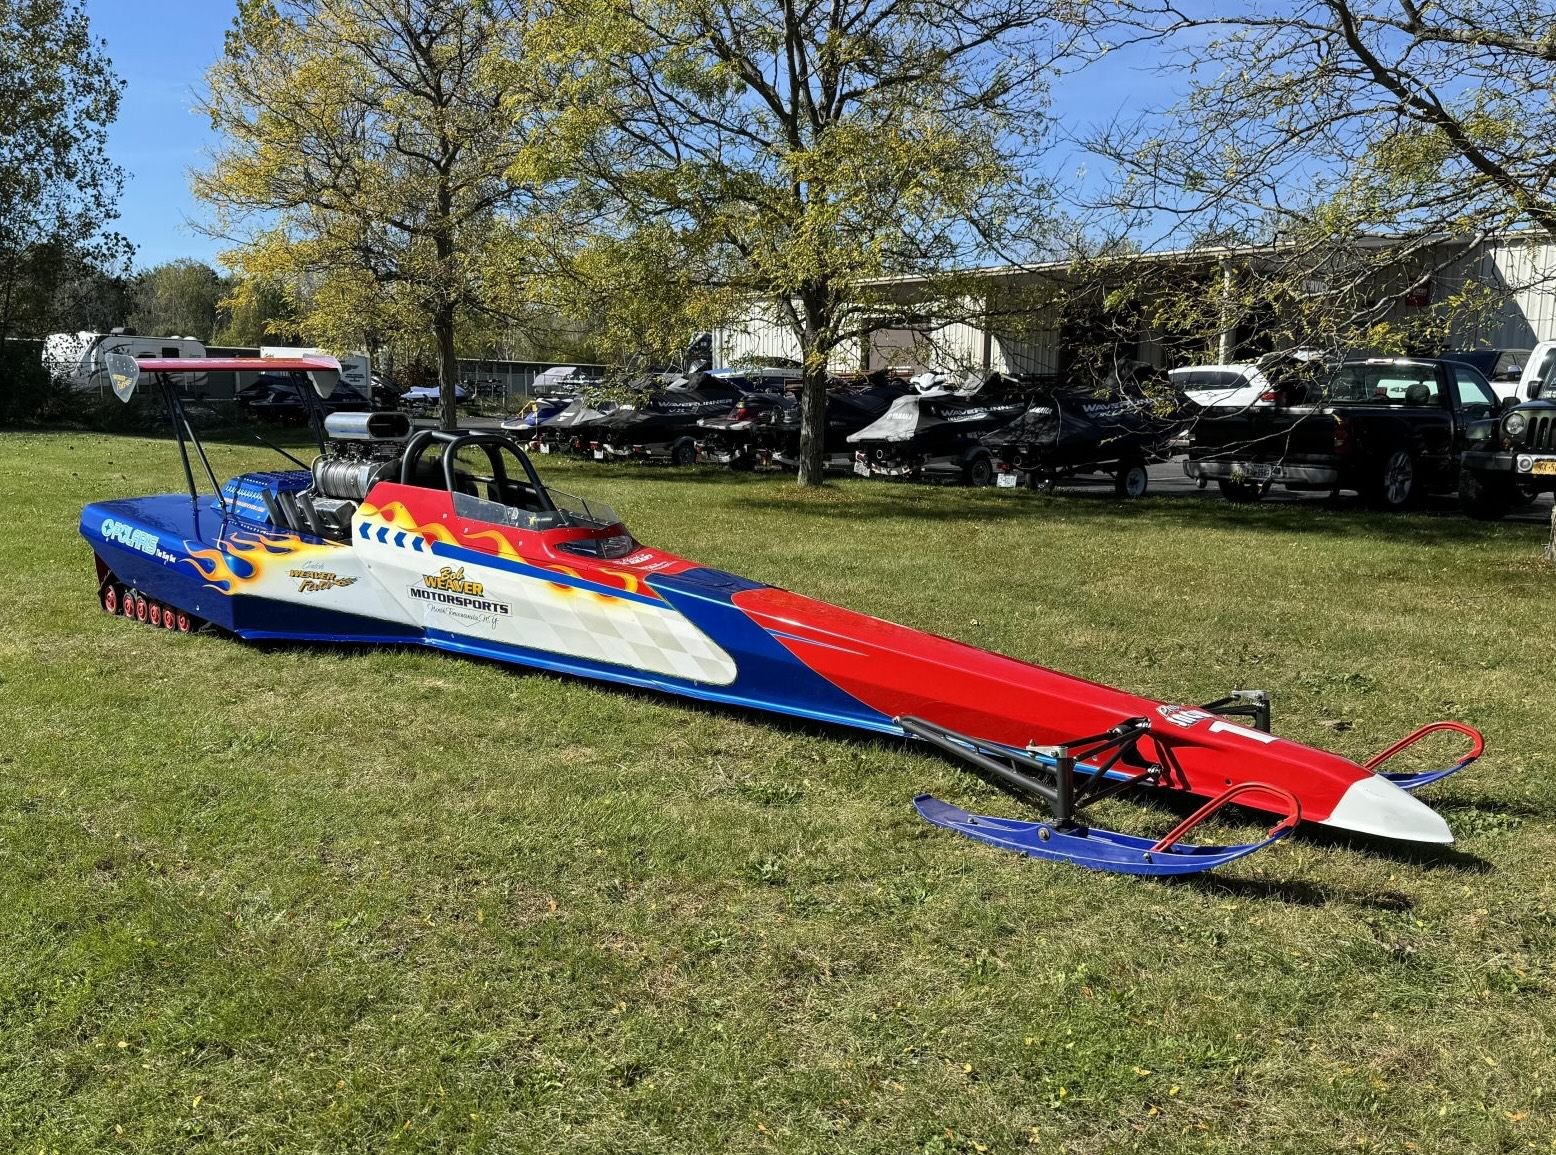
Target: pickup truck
point(1393, 429)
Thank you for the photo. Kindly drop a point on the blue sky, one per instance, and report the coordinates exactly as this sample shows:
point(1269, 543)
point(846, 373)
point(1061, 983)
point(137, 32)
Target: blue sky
point(162, 48)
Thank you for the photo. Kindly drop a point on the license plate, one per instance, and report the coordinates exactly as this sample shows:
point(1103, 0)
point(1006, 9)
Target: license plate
point(1005, 480)
point(861, 469)
point(545, 447)
point(1254, 470)
point(1544, 468)
point(599, 455)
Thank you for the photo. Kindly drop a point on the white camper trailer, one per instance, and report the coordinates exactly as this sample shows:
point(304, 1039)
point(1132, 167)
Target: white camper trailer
point(77, 358)
point(356, 370)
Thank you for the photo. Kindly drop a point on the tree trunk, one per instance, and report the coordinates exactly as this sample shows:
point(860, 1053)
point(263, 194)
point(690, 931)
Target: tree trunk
point(813, 397)
point(448, 366)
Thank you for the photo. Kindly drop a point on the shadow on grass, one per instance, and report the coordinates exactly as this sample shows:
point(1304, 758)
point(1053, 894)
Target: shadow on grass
point(1290, 892)
point(1174, 805)
point(1190, 512)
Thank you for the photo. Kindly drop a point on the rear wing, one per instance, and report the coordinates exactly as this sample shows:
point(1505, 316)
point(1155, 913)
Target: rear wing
point(124, 371)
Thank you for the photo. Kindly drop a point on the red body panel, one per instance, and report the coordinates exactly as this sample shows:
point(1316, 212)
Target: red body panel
point(899, 671)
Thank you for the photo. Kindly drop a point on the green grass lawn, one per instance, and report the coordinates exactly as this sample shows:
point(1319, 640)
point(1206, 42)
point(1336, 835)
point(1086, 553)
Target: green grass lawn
point(311, 900)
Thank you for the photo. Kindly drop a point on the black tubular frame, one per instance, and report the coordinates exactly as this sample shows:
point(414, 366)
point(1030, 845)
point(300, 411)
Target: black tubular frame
point(1251, 704)
point(454, 441)
point(181, 428)
point(1049, 772)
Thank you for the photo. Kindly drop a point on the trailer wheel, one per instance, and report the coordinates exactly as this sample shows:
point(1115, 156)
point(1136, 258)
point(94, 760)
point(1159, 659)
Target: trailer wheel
point(1131, 480)
point(142, 608)
point(111, 599)
point(742, 462)
point(154, 614)
point(683, 453)
point(167, 618)
point(184, 623)
point(1240, 492)
point(979, 472)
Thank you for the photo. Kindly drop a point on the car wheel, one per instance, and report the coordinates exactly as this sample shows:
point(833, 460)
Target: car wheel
point(979, 472)
point(1485, 498)
point(1131, 480)
point(1395, 486)
point(1240, 492)
point(684, 453)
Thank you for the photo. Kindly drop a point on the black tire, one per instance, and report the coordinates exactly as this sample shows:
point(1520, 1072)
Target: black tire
point(1483, 497)
point(979, 471)
point(1396, 484)
point(1131, 480)
point(683, 453)
point(1240, 492)
point(743, 462)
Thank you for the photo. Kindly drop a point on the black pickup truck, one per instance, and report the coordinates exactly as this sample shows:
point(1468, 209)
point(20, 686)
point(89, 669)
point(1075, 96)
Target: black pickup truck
point(1393, 429)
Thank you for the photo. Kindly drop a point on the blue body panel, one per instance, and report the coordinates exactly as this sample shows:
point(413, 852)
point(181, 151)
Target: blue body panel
point(147, 542)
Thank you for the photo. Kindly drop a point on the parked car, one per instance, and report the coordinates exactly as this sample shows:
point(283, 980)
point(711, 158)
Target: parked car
point(1518, 461)
point(1224, 386)
point(279, 398)
point(1504, 368)
point(1389, 428)
point(1537, 368)
point(933, 432)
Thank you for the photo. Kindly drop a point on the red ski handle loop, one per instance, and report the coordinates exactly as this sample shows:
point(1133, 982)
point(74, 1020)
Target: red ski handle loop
point(1293, 813)
point(1479, 743)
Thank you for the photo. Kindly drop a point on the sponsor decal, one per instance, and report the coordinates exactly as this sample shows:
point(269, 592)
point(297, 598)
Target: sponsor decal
point(444, 600)
point(637, 558)
point(451, 580)
point(134, 538)
point(1184, 716)
point(312, 581)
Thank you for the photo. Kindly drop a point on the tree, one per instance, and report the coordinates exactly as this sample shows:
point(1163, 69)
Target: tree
point(254, 313)
point(802, 154)
point(1345, 154)
point(58, 191)
point(181, 297)
point(365, 159)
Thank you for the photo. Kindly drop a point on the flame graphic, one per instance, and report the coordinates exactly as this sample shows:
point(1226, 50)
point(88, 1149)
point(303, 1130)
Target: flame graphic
point(396, 516)
point(243, 558)
point(498, 539)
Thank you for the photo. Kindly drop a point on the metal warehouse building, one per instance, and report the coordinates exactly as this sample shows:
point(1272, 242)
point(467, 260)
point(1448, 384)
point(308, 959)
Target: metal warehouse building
point(979, 332)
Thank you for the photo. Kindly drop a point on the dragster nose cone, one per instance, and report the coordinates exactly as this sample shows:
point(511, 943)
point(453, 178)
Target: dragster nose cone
point(1374, 805)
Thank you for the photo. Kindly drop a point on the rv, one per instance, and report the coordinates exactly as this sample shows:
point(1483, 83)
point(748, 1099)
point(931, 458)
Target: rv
point(356, 370)
point(77, 358)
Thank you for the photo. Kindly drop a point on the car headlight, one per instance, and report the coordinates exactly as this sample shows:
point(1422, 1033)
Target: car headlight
point(1514, 424)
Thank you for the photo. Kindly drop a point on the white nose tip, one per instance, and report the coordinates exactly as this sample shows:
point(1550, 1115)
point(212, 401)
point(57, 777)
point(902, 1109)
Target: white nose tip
point(1375, 805)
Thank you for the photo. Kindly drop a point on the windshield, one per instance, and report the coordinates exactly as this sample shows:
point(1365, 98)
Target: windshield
point(1208, 378)
point(580, 512)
